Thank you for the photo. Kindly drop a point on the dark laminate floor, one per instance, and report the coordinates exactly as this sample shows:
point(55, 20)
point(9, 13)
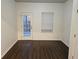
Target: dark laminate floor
point(38, 50)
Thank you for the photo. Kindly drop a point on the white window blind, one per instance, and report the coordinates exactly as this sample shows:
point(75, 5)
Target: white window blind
point(47, 22)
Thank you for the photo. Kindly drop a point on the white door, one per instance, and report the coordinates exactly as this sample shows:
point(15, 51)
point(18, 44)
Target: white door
point(26, 25)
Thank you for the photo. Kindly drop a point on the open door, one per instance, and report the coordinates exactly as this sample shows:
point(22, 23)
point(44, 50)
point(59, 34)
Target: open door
point(26, 26)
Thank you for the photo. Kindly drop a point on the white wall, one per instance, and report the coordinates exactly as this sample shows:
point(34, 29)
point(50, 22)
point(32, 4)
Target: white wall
point(37, 9)
point(67, 18)
point(8, 25)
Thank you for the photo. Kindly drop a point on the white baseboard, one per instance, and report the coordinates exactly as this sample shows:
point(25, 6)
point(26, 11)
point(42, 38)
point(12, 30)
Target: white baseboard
point(46, 39)
point(8, 49)
point(65, 43)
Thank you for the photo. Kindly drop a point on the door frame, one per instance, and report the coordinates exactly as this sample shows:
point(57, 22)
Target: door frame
point(21, 36)
point(73, 49)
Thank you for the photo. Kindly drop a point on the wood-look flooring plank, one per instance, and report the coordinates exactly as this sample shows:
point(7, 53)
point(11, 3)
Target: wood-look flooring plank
point(38, 50)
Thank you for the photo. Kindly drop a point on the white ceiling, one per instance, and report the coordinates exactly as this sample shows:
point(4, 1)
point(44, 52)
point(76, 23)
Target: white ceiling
point(42, 1)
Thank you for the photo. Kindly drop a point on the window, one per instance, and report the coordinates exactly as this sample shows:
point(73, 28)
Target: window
point(47, 22)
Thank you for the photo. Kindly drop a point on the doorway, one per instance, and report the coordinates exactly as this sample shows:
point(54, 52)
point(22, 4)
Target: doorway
point(26, 26)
